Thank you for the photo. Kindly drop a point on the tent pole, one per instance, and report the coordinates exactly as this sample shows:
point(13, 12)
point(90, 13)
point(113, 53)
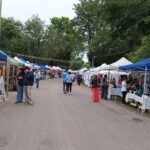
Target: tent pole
point(7, 76)
point(145, 79)
point(145, 89)
point(117, 88)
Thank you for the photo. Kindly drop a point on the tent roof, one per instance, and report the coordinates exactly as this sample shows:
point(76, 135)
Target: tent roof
point(103, 65)
point(15, 62)
point(120, 62)
point(21, 60)
point(3, 56)
point(114, 72)
point(140, 65)
point(35, 66)
point(42, 67)
point(107, 67)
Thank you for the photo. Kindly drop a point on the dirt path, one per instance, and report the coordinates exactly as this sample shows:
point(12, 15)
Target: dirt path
point(70, 122)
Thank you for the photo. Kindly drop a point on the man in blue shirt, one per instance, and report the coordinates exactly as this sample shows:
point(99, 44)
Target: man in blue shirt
point(64, 75)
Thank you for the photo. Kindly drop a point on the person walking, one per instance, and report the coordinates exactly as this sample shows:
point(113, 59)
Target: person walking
point(64, 76)
point(104, 87)
point(124, 90)
point(20, 85)
point(69, 81)
point(79, 79)
point(37, 78)
point(28, 82)
point(95, 89)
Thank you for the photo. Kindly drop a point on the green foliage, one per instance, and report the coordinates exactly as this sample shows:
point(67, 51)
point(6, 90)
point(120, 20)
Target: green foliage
point(88, 22)
point(76, 63)
point(86, 65)
point(129, 22)
point(34, 33)
point(10, 34)
point(64, 42)
point(142, 52)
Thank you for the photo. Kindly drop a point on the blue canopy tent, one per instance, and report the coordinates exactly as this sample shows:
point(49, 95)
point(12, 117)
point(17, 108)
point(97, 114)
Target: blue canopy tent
point(140, 65)
point(26, 62)
point(36, 66)
point(143, 65)
point(3, 56)
point(42, 67)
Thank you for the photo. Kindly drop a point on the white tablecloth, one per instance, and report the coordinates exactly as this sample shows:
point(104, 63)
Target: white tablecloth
point(114, 91)
point(132, 96)
point(2, 89)
point(144, 100)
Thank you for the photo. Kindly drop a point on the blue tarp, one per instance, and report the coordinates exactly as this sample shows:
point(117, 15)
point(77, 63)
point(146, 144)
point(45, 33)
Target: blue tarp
point(24, 61)
point(36, 65)
point(140, 65)
point(3, 56)
point(42, 67)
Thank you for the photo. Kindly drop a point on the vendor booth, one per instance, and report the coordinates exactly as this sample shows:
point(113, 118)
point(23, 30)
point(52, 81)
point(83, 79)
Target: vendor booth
point(14, 66)
point(144, 83)
point(112, 71)
point(3, 79)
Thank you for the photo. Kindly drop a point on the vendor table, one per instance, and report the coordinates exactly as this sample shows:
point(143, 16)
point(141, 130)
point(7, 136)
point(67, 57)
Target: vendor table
point(2, 89)
point(132, 96)
point(114, 92)
point(144, 100)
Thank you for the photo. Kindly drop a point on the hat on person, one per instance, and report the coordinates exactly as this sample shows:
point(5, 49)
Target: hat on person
point(27, 68)
point(69, 70)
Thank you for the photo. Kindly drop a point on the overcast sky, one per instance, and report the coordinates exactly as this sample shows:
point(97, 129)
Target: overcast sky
point(46, 9)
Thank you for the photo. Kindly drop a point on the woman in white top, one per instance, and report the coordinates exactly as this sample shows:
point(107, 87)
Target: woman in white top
point(124, 90)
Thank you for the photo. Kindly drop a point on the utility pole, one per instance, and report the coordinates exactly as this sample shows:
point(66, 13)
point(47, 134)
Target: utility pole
point(0, 20)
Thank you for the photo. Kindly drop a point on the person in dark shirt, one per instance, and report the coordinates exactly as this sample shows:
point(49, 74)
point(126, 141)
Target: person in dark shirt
point(20, 85)
point(104, 87)
point(79, 79)
point(28, 82)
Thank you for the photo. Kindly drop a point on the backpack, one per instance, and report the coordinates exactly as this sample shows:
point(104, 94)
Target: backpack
point(69, 78)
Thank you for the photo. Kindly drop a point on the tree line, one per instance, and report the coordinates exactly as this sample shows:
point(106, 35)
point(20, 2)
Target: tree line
point(105, 29)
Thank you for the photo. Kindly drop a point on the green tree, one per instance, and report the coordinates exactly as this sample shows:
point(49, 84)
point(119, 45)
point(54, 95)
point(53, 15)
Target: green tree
point(34, 36)
point(88, 22)
point(129, 22)
point(142, 52)
point(76, 63)
point(11, 35)
point(112, 28)
point(63, 39)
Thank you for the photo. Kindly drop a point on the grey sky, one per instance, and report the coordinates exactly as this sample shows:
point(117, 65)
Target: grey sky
point(24, 9)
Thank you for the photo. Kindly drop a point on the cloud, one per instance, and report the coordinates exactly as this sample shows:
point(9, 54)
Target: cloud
point(46, 9)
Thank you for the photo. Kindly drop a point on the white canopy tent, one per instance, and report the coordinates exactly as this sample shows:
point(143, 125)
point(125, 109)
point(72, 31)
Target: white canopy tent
point(56, 68)
point(111, 70)
point(121, 62)
point(47, 66)
point(108, 67)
